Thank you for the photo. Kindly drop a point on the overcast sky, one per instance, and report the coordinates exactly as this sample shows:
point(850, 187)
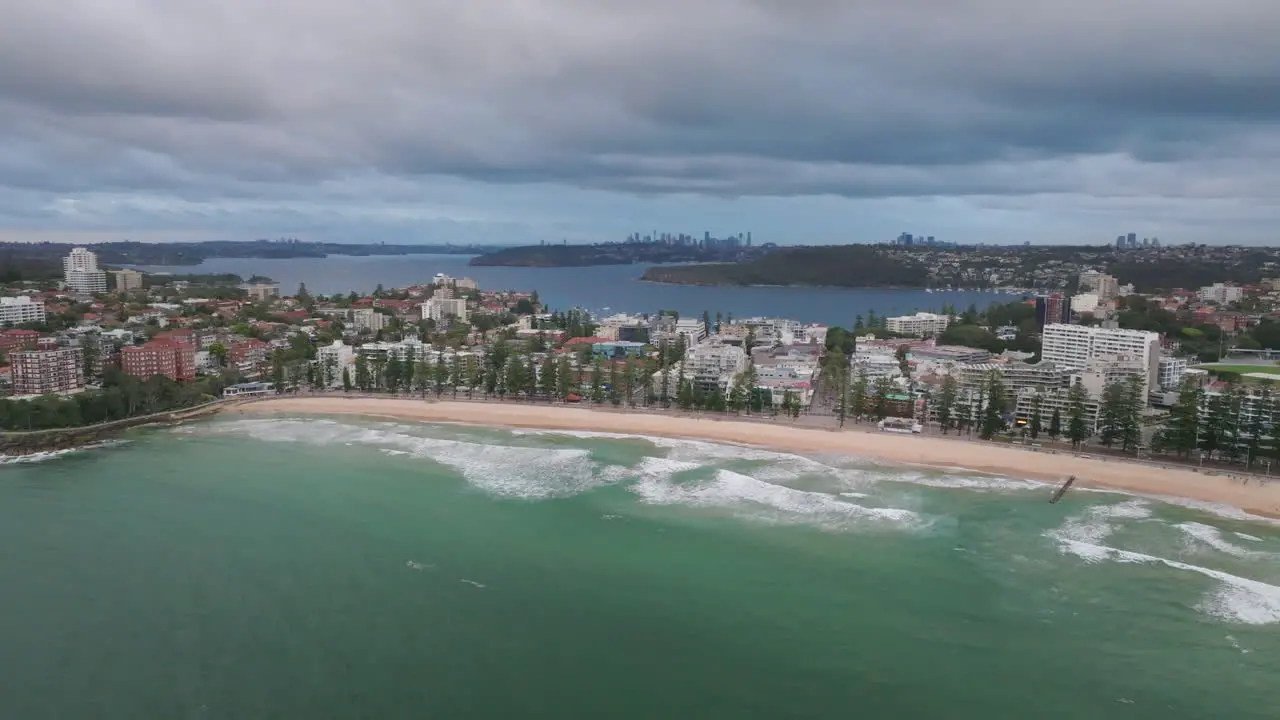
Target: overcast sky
point(804, 121)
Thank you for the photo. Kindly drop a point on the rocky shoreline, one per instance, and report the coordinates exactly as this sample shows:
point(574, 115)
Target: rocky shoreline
point(14, 444)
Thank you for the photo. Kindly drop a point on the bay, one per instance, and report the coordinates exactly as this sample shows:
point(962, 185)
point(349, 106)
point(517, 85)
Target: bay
point(615, 287)
point(345, 568)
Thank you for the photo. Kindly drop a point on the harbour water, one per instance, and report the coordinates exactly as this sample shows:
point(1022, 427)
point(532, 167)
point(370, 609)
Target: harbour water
point(344, 568)
point(617, 287)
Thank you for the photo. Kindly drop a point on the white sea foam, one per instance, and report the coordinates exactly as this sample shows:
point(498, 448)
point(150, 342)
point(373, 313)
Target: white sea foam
point(1235, 644)
point(39, 457)
point(1237, 599)
point(1212, 537)
point(509, 471)
point(1219, 509)
point(1250, 538)
point(971, 482)
point(36, 457)
point(1097, 523)
point(754, 498)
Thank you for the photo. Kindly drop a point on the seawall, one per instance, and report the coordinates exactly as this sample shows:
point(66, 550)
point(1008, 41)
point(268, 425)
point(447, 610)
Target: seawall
point(26, 443)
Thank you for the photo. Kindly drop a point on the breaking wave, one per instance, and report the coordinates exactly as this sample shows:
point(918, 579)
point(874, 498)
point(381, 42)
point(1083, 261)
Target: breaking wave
point(749, 496)
point(40, 457)
point(1235, 598)
point(758, 492)
point(1211, 537)
point(504, 470)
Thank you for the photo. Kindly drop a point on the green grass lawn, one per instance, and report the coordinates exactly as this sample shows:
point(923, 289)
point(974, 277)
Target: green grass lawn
point(1239, 369)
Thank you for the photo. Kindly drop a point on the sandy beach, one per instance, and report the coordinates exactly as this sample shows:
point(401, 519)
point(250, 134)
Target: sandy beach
point(942, 453)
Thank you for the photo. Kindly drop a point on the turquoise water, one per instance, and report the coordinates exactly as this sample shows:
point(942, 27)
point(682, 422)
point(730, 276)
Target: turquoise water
point(308, 568)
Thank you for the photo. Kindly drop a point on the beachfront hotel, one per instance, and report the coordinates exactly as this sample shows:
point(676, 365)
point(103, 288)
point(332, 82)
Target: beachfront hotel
point(1075, 345)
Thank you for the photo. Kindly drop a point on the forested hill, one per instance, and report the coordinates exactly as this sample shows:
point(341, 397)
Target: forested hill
point(843, 265)
point(1047, 266)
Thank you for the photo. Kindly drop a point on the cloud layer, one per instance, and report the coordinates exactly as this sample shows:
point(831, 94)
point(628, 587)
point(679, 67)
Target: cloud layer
point(518, 120)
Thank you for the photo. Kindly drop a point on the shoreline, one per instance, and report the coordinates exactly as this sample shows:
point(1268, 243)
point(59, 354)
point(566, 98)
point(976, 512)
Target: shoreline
point(941, 454)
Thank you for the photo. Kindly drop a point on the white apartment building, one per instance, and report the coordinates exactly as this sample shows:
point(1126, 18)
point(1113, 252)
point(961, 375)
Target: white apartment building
point(261, 291)
point(771, 331)
point(333, 359)
point(1074, 346)
point(1049, 401)
point(410, 350)
point(875, 360)
point(1042, 376)
point(79, 259)
point(610, 328)
point(86, 282)
point(691, 329)
point(21, 309)
point(127, 280)
point(713, 366)
point(812, 335)
point(1221, 294)
point(1096, 375)
point(81, 274)
point(443, 306)
point(1100, 284)
point(1170, 372)
point(366, 319)
point(921, 324)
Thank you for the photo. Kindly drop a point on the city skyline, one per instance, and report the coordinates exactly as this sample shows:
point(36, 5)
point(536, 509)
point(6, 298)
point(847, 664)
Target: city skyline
point(563, 121)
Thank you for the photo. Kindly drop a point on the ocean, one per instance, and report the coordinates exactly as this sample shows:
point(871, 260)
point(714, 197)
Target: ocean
point(606, 288)
point(361, 568)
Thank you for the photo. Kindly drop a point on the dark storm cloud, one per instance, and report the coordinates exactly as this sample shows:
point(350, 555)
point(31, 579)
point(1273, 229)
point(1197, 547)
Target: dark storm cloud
point(237, 100)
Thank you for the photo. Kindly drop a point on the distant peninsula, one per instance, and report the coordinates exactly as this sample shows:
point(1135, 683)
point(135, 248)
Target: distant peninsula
point(194, 253)
point(627, 253)
point(839, 265)
point(981, 267)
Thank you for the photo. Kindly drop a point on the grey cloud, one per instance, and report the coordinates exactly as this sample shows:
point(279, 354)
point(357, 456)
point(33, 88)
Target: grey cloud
point(209, 102)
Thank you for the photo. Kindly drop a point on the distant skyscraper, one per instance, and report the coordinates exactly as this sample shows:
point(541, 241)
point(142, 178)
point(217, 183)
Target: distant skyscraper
point(1133, 240)
point(748, 239)
point(1119, 242)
